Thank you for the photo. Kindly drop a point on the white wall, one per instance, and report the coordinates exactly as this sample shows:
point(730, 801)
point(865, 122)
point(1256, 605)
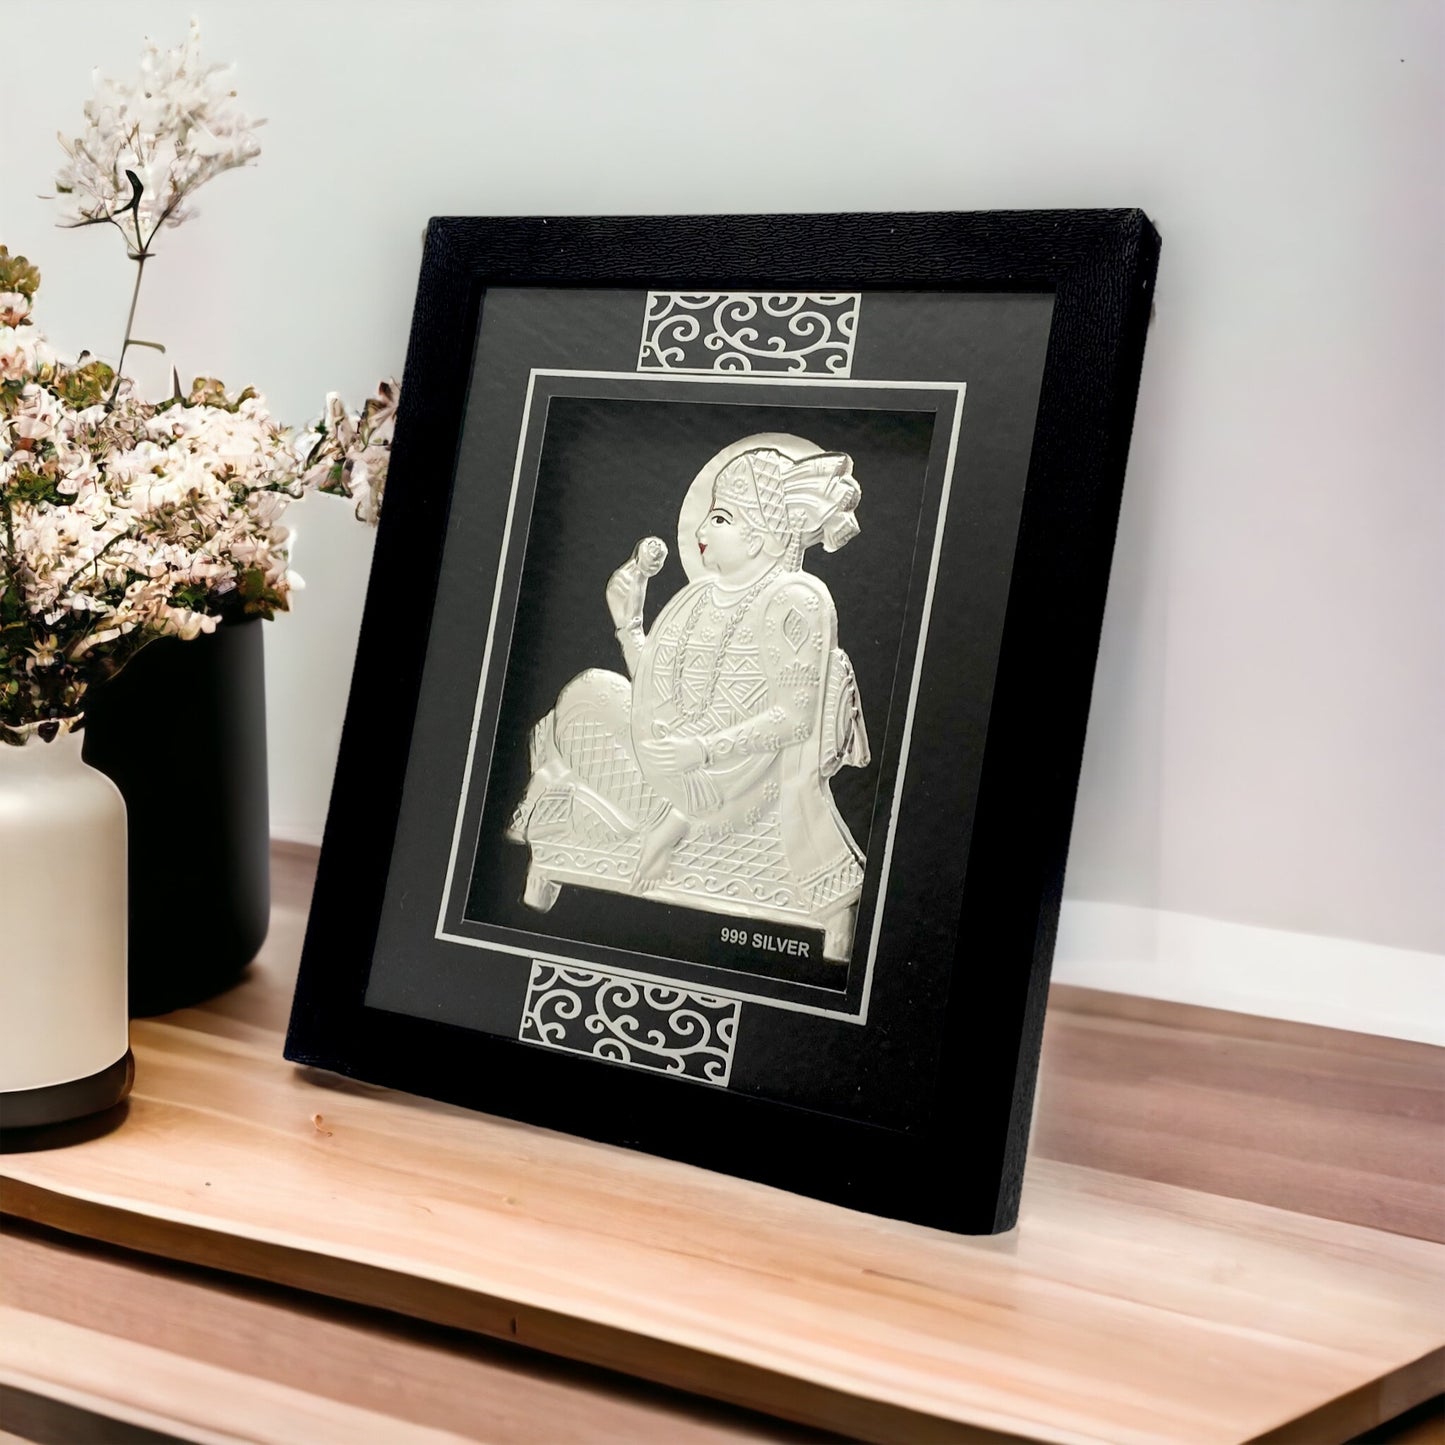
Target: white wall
point(1265, 745)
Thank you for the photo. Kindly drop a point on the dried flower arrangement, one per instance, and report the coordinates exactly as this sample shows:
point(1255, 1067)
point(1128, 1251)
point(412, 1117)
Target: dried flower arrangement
point(124, 519)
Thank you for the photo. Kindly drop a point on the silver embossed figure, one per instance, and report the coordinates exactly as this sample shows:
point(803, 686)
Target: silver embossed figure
point(701, 778)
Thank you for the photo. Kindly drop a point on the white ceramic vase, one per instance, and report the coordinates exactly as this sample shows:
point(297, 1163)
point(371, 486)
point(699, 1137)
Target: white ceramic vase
point(64, 1047)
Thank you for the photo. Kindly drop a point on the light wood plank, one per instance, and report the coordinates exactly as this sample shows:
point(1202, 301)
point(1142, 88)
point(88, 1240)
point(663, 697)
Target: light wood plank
point(1122, 1310)
point(190, 1351)
point(114, 1377)
point(1112, 1314)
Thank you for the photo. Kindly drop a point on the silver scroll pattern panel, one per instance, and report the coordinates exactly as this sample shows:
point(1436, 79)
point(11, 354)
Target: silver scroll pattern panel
point(785, 333)
point(627, 1021)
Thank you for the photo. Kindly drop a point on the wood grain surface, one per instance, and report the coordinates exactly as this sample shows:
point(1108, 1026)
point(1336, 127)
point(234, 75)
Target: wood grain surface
point(1342, 1125)
point(1122, 1310)
point(201, 1355)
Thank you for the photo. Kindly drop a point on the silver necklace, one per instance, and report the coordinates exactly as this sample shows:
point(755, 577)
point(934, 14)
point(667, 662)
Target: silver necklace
point(739, 610)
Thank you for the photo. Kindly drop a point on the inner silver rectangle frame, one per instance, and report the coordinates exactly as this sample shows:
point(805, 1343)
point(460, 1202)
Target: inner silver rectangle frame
point(713, 379)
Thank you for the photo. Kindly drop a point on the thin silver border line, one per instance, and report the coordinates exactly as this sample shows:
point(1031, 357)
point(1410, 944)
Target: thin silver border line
point(486, 661)
point(912, 704)
point(732, 380)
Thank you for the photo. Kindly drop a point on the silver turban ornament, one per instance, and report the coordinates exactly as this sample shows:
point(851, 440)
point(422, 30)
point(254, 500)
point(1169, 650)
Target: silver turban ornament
point(800, 503)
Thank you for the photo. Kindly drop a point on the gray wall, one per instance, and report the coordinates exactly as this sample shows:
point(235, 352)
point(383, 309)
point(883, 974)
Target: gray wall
point(1266, 735)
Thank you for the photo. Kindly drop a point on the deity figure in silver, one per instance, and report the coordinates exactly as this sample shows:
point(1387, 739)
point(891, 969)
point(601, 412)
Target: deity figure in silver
point(701, 777)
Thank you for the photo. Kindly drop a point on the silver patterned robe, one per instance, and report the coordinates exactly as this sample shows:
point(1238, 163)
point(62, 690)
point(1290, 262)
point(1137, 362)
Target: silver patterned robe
point(760, 680)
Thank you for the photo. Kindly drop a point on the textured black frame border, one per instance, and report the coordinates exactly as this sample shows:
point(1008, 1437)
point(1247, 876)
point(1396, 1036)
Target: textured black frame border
point(1100, 266)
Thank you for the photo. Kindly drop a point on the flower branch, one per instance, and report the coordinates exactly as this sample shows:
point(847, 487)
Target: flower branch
point(124, 519)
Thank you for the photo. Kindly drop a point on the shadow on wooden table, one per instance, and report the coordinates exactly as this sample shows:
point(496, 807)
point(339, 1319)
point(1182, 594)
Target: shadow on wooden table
point(1424, 1425)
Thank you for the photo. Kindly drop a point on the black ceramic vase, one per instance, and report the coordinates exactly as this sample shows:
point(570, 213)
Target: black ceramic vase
point(182, 733)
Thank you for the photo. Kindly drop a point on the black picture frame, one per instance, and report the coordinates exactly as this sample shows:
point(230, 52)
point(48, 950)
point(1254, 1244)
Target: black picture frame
point(957, 1162)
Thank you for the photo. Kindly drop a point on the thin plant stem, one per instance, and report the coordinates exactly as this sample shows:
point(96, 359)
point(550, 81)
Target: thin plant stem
point(93, 563)
point(141, 258)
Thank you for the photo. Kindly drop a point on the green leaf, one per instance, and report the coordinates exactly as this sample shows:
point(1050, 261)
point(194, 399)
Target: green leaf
point(28, 485)
point(192, 597)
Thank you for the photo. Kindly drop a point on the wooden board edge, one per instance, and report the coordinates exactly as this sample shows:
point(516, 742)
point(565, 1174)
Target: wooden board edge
point(627, 1352)
point(1350, 1415)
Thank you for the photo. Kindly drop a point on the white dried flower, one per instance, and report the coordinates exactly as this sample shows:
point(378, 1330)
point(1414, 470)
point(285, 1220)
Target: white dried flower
point(14, 308)
point(22, 351)
point(349, 454)
point(174, 127)
point(122, 520)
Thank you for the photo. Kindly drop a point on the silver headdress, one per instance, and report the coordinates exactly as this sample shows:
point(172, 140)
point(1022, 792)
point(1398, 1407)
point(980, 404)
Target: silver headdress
point(802, 502)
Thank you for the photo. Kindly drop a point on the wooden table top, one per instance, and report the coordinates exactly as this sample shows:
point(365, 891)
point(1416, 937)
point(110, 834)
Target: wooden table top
point(1121, 1310)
